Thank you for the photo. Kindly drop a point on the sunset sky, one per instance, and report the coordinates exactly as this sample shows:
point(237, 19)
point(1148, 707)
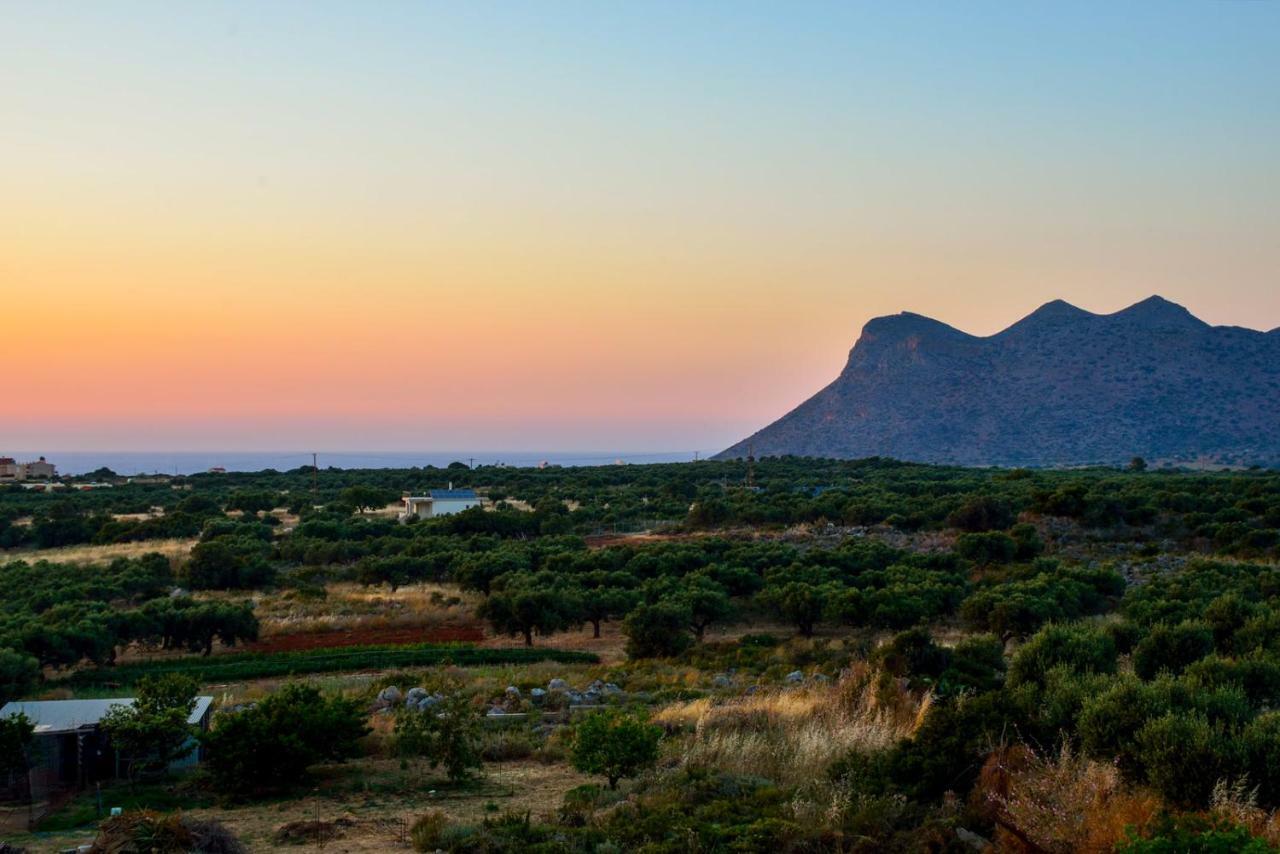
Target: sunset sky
point(578, 226)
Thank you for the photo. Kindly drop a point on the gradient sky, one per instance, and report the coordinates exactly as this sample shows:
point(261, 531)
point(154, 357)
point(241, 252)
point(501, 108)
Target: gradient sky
point(652, 226)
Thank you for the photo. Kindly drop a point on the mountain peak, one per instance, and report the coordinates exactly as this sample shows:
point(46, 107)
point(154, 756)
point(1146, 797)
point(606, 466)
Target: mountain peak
point(1155, 310)
point(904, 324)
point(1062, 386)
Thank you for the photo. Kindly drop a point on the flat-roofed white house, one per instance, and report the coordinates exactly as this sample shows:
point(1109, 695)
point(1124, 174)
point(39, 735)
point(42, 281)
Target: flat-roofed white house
point(439, 502)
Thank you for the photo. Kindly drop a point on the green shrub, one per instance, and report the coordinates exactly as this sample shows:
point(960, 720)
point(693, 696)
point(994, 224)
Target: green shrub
point(987, 548)
point(977, 664)
point(1261, 738)
point(1184, 756)
point(270, 746)
point(614, 745)
point(658, 629)
point(1082, 648)
point(1193, 834)
point(1171, 648)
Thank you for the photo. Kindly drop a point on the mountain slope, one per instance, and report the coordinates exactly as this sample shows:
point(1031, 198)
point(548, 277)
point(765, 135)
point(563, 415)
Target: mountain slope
point(1062, 386)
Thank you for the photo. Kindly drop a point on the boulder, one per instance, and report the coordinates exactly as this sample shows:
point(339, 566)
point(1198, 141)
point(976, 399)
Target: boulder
point(722, 680)
point(537, 695)
point(495, 712)
point(390, 694)
point(611, 690)
point(414, 696)
point(795, 677)
point(512, 691)
point(557, 685)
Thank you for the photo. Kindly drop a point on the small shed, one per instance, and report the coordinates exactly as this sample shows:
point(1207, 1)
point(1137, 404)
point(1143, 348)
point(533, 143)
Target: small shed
point(69, 747)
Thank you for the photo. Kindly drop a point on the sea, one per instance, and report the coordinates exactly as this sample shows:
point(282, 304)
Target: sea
point(192, 462)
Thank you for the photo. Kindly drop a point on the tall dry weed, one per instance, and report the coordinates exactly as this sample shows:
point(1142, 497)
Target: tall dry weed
point(1060, 804)
point(790, 734)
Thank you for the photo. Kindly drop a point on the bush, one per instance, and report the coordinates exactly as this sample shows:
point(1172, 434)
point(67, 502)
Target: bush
point(977, 664)
point(987, 548)
point(1261, 740)
point(657, 629)
point(981, 513)
point(1184, 756)
point(1171, 648)
point(1083, 649)
point(19, 674)
point(1193, 834)
point(447, 734)
point(270, 746)
point(428, 831)
point(150, 832)
point(913, 653)
point(614, 745)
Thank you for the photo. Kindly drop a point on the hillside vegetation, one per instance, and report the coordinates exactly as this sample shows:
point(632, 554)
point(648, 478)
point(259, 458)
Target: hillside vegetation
point(796, 655)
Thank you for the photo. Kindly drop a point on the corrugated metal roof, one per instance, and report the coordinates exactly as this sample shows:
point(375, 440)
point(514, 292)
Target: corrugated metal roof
point(50, 716)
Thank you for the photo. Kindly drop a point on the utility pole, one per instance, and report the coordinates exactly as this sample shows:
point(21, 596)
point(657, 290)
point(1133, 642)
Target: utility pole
point(751, 466)
point(315, 477)
point(471, 462)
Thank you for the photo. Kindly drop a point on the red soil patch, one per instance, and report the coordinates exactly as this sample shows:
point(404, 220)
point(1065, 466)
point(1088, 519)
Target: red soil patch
point(371, 636)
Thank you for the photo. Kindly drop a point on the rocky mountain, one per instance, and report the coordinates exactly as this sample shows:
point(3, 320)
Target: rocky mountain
point(1060, 387)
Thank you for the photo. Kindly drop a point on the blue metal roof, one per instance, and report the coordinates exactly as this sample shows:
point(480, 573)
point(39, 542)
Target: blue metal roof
point(49, 716)
point(452, 494)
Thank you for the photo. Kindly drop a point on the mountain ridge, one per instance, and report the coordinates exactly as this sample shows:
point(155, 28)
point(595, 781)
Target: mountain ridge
point(1061, 386)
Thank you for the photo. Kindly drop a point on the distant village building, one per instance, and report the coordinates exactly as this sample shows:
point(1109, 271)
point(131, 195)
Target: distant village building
point(439, 502)
point(12, 471)
point(39, 470)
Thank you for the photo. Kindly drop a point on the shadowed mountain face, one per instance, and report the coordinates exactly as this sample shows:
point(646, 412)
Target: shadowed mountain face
point(1062, 386)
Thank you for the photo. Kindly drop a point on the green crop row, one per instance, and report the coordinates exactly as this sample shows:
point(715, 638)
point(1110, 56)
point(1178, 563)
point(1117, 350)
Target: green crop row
point(252, 665)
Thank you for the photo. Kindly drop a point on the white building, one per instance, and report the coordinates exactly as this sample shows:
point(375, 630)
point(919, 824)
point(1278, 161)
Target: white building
point(41, 469)
point(439, 502)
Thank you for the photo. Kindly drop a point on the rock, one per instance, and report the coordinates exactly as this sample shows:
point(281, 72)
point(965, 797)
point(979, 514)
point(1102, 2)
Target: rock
point(821, 677)
point(512, 691)
point(751, 690)
point(575, 698)
point(537, 695)
point(973, 840)
point(495, 712)
point(595, 686)
point(178, 593)
point(721, 680)
point(429, 701)
point(611, 690)
point(414, 696)
point(795, 677)
point(390, 694)
point(557, 685)
point(591, 697)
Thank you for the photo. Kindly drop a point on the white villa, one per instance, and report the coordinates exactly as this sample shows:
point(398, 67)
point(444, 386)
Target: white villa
point(439, 502)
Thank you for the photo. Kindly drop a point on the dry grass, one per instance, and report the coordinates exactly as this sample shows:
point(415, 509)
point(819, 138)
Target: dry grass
point(175, 550)
point(789, 735)
point(1239, 805)
point(350, 606)
point(1063, 803)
